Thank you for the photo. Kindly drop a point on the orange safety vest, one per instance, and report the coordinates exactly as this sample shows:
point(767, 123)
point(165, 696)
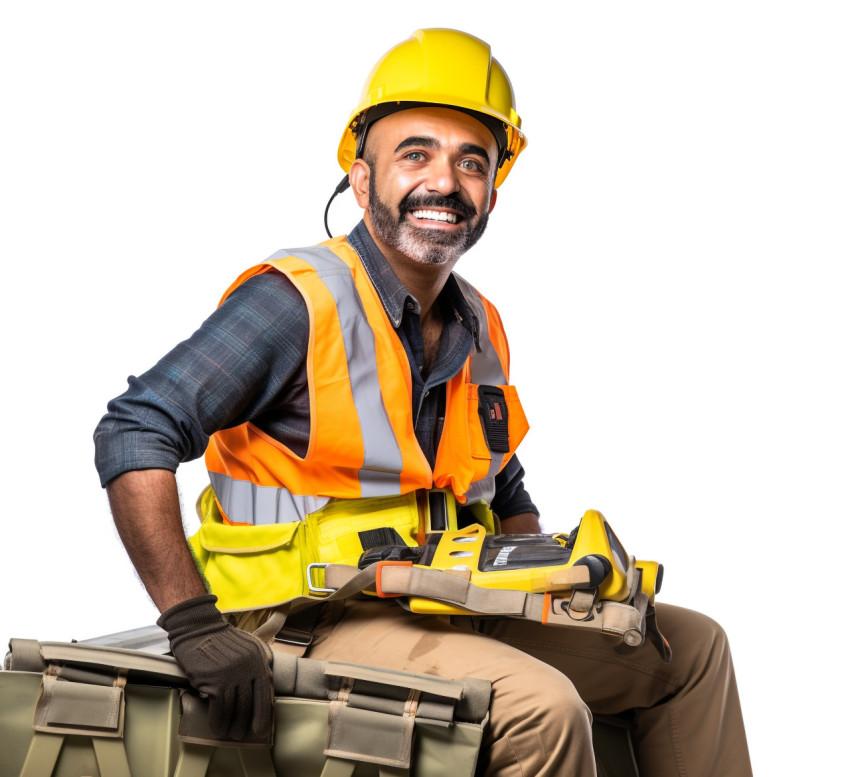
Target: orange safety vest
point(275, 512)
point(362, 441)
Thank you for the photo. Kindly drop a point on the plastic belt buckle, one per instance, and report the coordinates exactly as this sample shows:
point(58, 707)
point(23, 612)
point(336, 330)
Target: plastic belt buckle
point(378, 574)
point(290, 636)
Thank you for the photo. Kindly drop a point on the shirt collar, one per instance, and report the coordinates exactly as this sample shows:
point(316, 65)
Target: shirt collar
point(395, 297)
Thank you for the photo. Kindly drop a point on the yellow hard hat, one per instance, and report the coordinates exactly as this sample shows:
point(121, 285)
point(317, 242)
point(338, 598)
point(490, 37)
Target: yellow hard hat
point(439, 67)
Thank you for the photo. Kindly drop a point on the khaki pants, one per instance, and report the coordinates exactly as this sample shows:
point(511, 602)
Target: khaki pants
point(547, 681)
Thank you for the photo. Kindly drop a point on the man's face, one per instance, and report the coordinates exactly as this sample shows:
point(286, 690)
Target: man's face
point(431, 182)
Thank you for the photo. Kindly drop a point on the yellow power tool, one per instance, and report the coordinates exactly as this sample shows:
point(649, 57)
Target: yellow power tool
point(589, 558)
point(584, 579)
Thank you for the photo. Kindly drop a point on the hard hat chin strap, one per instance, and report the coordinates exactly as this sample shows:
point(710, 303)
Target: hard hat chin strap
point(340, 188)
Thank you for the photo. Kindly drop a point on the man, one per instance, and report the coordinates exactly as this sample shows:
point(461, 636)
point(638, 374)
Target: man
point(339, 387)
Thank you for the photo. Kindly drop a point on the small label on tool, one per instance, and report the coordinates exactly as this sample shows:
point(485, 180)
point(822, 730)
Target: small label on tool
point(503, 556)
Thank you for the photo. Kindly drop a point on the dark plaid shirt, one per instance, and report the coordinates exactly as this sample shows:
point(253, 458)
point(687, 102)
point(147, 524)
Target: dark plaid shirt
point(247, 363)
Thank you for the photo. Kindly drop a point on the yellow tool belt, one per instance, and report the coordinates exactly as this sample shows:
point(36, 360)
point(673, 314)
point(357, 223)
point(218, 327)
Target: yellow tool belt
point(259, 566)
point(387, 547)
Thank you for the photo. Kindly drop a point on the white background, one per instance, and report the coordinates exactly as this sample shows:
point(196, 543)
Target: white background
point(669, 255)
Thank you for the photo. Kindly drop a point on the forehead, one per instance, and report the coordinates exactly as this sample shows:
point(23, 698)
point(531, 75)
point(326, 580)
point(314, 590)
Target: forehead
point(448, 127)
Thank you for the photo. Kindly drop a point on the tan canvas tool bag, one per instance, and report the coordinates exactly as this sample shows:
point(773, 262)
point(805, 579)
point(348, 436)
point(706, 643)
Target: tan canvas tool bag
point(68, 710)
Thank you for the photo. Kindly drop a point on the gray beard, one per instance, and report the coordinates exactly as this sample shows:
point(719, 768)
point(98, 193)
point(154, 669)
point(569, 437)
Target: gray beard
point(422, 245)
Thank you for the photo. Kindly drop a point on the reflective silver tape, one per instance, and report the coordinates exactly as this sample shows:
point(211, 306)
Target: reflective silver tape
point(378, 483)
point(246, 502)
point(380, 474)
point(486, 367)
point(485, 489)
point(485, 370)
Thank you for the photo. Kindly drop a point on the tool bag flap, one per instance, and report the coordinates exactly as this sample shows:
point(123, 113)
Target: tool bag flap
point(311, 679)
point(374, 711)
point(82, 686)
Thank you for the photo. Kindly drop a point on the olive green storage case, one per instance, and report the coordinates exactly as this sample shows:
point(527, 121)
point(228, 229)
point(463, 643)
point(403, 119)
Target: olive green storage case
point(68, 710)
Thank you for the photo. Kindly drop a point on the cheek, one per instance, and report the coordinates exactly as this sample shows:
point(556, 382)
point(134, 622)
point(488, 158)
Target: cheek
point(481, 196)
point(393, 189)
point(404, 184)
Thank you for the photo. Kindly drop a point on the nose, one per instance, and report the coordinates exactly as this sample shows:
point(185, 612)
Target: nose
point(442, 175)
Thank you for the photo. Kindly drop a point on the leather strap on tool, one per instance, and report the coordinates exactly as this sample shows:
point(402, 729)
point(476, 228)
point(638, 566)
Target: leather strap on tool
point(577, 609)
point(580, 608)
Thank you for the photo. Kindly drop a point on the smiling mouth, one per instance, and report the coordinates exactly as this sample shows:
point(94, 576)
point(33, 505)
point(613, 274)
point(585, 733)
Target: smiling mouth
point(439, 216)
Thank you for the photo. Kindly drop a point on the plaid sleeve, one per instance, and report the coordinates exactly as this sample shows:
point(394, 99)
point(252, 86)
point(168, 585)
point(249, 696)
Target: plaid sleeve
point(231, 370)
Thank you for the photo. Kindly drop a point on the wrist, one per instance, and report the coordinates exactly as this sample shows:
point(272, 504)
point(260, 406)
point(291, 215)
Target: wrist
point(523, 523)
point(191, 616)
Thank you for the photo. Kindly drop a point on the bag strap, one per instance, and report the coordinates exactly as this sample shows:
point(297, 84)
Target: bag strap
point(194, 760)
point(355, 583)
point(44, 752)
point(339, 767)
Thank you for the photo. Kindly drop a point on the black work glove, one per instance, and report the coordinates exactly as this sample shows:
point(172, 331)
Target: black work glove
point(231, 667)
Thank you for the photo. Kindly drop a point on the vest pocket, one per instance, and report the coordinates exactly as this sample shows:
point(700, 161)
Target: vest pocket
point(251, 566)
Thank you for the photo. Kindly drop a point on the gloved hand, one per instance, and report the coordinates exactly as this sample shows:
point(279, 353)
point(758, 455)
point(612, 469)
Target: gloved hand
point(231, 667)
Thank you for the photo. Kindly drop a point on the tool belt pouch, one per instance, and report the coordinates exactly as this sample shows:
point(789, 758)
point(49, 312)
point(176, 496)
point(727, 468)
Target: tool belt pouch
point(71, 709)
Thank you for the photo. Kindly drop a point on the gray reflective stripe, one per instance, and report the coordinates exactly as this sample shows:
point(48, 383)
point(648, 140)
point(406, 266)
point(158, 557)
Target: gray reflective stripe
point(379, 483)
point(495, 465)
point(486, 367)
point(245, 502)
point(380, 474)
point(483, 490)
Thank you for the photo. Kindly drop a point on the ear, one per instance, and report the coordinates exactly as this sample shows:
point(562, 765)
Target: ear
point(358, 177)
point(492, 201)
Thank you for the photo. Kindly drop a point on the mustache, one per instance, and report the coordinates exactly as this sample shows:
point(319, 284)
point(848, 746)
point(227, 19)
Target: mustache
point(418, 201)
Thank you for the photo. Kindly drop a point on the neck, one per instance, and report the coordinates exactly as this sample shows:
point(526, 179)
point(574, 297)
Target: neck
point(423, 281)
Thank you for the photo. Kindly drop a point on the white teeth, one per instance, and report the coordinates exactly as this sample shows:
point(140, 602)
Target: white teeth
point(436, 215)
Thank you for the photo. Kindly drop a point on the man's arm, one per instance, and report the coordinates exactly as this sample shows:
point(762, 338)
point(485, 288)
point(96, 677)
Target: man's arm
point(237, 365)
point(146, 511)
point(523, 523)
point(512, 501)
point(240, 365)
point(226, 665)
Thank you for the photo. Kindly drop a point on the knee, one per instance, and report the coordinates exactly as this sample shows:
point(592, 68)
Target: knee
point(538, 725)
point(540, 697)
point(697, 640)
